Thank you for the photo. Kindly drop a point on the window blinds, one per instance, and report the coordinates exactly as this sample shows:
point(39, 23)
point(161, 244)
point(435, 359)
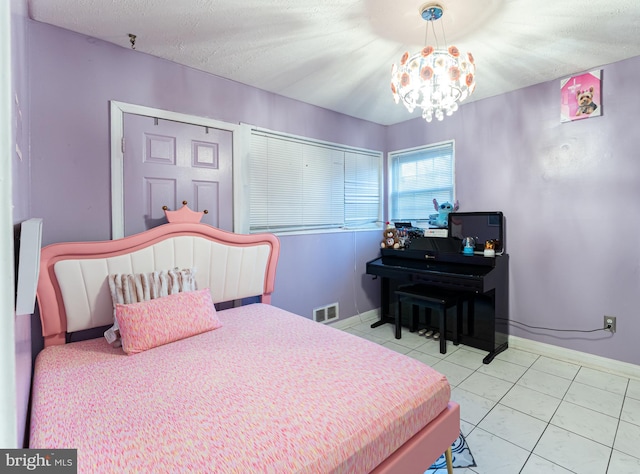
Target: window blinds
point(301, 185)
point(417, 177)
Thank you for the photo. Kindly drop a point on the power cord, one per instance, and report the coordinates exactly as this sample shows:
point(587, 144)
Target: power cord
point(554, 329)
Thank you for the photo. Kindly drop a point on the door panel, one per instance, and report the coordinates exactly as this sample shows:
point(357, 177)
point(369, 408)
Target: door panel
point(168, 162)
point(157, 192)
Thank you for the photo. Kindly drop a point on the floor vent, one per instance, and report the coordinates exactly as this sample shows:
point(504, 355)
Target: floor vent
point(326, 314)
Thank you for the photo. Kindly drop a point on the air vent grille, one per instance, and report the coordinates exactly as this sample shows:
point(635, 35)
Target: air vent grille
point(326, 314)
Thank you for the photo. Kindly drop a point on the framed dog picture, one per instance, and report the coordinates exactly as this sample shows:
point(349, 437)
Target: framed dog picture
point(581, 96)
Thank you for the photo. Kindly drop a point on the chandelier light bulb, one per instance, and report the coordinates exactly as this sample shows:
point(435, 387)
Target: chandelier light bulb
point(434, 79)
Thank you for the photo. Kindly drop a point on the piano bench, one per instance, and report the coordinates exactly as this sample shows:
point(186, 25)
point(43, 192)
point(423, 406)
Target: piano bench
point(429, 298)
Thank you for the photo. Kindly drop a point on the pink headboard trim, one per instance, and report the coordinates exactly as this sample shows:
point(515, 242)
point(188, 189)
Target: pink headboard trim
point(50, 302)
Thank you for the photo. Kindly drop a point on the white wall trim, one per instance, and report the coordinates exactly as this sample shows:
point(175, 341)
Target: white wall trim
point(624, 369)
point(8, 396)
point(367, 316)
point(585, 359)
point(118, 109)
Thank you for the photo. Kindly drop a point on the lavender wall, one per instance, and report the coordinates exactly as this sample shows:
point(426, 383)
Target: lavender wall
point(21, 193)
point(568, 191)
point(70, 152)
point(338, 260)
point(562, 186)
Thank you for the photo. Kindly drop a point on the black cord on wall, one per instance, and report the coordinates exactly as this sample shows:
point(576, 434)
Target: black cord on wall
point(552, 329)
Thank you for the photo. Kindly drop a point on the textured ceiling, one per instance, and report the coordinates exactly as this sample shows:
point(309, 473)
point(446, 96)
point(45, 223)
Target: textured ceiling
point(337, 54)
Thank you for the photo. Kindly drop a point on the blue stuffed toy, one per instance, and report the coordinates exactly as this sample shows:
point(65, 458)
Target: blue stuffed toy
point(441, 219)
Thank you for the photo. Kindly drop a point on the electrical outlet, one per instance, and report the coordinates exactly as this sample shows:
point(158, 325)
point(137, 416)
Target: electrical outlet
point(610, 323)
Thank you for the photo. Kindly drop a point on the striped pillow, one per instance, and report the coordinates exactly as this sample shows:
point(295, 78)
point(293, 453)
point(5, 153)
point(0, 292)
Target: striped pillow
point(127, 288)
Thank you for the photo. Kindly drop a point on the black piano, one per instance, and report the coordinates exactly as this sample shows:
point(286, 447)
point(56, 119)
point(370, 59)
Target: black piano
point(439, 263)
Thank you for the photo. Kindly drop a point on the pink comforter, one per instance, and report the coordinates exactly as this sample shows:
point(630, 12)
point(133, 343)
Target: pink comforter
point(270, 391)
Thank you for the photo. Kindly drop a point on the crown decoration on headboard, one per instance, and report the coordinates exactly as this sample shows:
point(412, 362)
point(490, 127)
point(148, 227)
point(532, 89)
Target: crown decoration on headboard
point(184, 214)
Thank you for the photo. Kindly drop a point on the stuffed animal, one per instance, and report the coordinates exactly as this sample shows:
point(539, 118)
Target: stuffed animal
point(441, 219)
point(391, 239)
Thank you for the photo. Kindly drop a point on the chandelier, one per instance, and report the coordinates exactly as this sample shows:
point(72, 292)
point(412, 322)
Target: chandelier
point(433, 79)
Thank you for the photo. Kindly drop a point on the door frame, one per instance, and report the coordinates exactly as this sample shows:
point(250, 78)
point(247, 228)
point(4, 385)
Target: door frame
point(118, 109)
point(8, 385)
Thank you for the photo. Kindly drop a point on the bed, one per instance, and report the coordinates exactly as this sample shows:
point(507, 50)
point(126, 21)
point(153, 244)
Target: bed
point(251, 388)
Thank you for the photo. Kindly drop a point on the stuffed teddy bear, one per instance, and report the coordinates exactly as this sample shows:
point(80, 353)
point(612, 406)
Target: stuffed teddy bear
point(441, 219)
point(391, 239)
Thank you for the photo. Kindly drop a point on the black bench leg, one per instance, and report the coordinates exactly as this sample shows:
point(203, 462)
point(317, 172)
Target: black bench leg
point(397, 321)
point(443, 330)
point(458, 325)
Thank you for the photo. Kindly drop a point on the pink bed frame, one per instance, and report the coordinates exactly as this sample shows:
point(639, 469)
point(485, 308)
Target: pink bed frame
point(427, 444)
point(183, 222)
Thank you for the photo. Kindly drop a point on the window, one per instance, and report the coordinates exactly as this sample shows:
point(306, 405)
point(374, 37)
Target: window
point(300, 185)
point(417, 177)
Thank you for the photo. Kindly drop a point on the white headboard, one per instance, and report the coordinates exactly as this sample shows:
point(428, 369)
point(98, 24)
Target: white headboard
point(73, 293)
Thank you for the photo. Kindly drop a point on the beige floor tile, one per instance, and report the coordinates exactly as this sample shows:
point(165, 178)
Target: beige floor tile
point(602, 380)
point(556, 367)
point(520, 429)
point(466, 358)
point(519, 357)
point(486, 386)
point(627, 439)
point(595, 399)
point(528, 414)
point(531, 403)
point(585, 422)
point(455, 373)
point(473, 408)
point(495, 455)
point(572, 451)
point(503, 370)
point(544, 383)
point(621, 463)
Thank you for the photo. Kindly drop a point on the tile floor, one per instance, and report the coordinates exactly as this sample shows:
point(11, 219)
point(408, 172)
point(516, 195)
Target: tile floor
point(525, 413)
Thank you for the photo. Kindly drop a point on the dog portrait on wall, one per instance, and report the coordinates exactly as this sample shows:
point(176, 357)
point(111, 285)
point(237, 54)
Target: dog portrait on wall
point(581, 96)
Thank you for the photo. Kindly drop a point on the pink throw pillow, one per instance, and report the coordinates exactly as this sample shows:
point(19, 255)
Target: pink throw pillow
point(159, 321)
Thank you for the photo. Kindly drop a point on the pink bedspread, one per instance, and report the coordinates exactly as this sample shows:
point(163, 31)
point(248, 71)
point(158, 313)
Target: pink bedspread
point(270, 391)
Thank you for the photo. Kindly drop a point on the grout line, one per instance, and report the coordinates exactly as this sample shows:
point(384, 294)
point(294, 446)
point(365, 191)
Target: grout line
point(513, 384)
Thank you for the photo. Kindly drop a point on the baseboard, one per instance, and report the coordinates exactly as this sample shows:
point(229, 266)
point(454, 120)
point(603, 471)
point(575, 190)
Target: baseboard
point(624, 369)
point(585, 359)
point(371, 315)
